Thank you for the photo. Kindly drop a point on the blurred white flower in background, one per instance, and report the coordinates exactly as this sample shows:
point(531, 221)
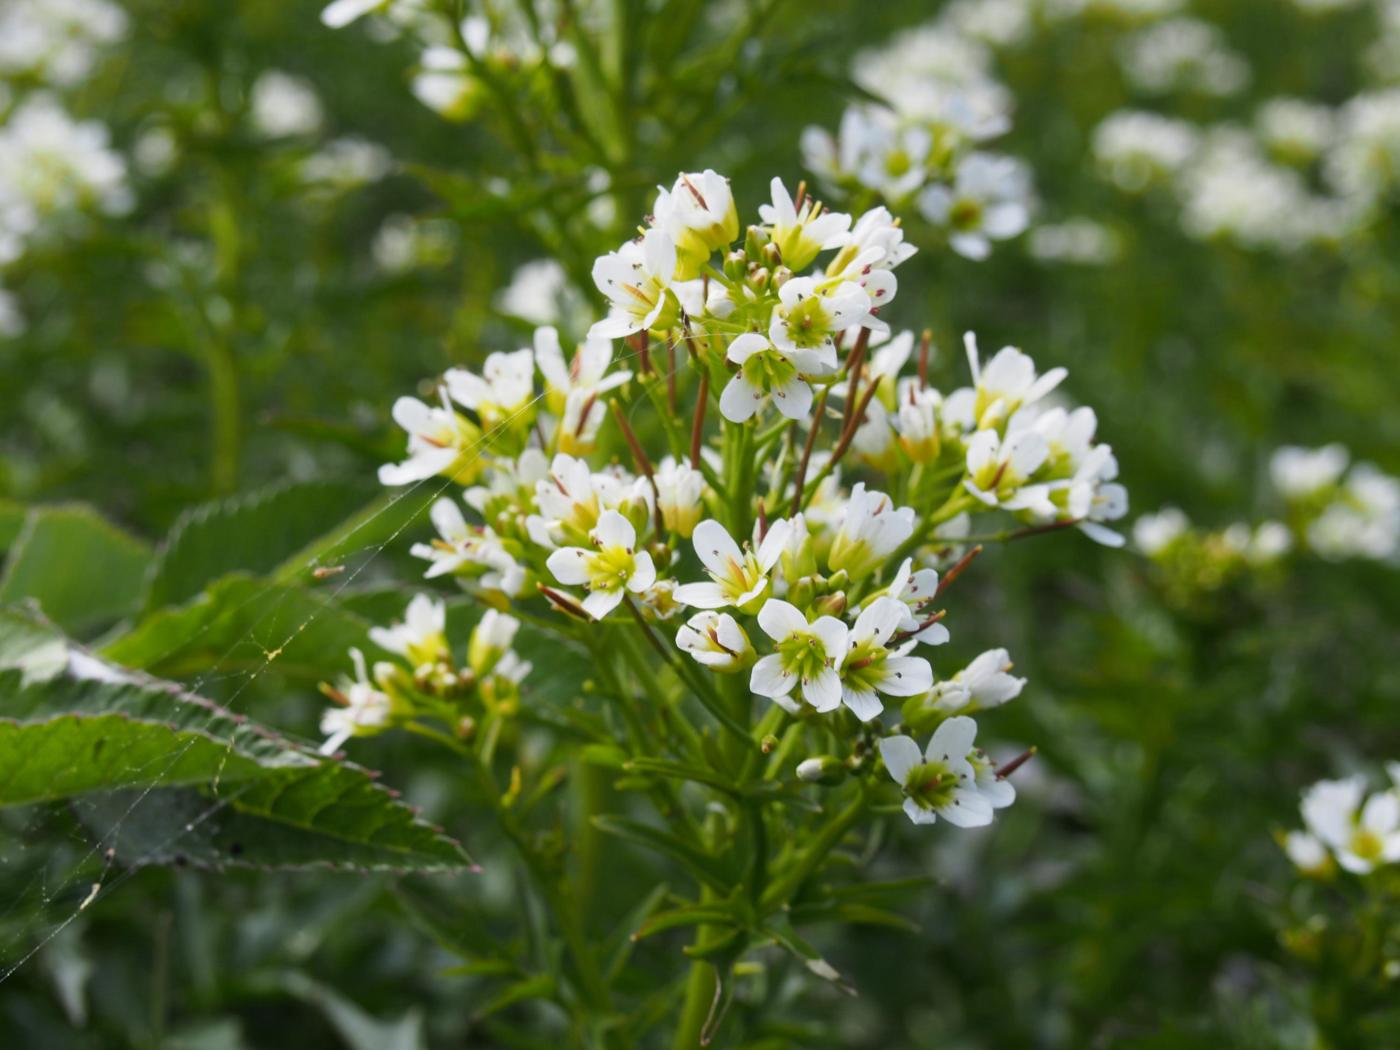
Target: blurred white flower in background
point(1079, 240)
point(56, 41)
point(1136, 149)
point(1295, 130)
point(283, 105)
point(1182, 54)
point(53, 168)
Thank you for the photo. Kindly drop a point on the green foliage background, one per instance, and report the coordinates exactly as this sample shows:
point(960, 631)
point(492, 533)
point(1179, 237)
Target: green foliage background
point(221, 421)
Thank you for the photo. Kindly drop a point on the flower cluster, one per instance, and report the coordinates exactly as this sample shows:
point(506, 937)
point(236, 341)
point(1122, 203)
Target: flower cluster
point(1345, 827)
point(925, 145)
point(56, 42)
point(1327, 506)
point(52, 170)
point(457, 59)
point(419, 677)
point(792, 520)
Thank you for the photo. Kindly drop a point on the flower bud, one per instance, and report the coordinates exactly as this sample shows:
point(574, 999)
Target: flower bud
point(490, 640)
point(822, 769)
point(831, 604)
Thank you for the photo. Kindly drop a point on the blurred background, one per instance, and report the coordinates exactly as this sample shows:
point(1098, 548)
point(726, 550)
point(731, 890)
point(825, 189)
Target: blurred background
point(231, 234)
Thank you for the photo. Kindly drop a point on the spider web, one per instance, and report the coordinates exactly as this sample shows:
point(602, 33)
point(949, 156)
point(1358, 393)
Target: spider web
point(95, 873)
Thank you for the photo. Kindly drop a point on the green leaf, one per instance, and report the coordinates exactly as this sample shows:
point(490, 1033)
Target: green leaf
point(244, 624)
point(202, 785)
point(700, 864)
point(538, 987)
point(360, 1030)
point(253, 533)
point(661, 767)
point(694, 916)
point(82, 570)
point(857, 914)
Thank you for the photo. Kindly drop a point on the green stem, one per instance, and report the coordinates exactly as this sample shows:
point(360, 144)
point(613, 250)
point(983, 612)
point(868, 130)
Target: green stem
point(225, 425)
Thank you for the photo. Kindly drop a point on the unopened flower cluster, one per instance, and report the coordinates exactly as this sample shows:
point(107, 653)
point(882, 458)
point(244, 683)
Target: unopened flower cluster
point(742, 461)
point(1344, 826)
point(1328, 506)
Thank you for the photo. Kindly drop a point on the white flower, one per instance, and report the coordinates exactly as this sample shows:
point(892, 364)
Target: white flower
point(586, 373)
point(870, 529)
point(52, 167)
point(504, 389)
point(1154, 533)
point(919, 421)
point(981, 684)
point(472, 553)
point(636, 280)
point(490, 642)
point(1363, 520)
point(716, 640)
point(1362, 837)
point(940, 782)
point(284, 105)
point(540, 293)
point(870, 667)
point(1136, 149)
point(809, 316)
point(996, 790)
point(738, 577)
point(1307, 852)
point(988, 201)
point(510, 485)
point(571, 498)
point(916, 590)
point(698, 213)
point(868, 259)
point(609, 571)
point(680, 489)
point(1183, 54)
point(801, 235)
point(765, 372)
point(365, 709)
point(809, 653)
point(999, 470)
point(56, 42)
point(344, 163)
point(1299, 473)
point(421, 636)
point(440, 441)
point(444, 83)
point(1006, 383)
point(340, 13)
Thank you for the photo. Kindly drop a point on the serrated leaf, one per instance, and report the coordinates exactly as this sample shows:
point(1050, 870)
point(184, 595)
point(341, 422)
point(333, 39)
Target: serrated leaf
point(83, 571)
point(180, 776)
point(245, 624)
point(253, 533)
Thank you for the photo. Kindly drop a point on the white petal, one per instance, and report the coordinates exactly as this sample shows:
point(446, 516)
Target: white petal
point(740, 400)
point(745, 346)
point(824, 691)
point(793, 399)
point(779, 619)
point(906, 676)
point(918, 814)
point(643, 573)
point(599, 603)
point(614, 530)
point(570, 565)
point(901, 754)
point(701, 595)
point(967, 809)
point(769, 679)
point(715, 548)
point(864, 703)
point(952, 740)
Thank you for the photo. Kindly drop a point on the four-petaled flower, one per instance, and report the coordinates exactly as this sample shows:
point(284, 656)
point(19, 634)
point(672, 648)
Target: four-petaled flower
point(940, 782)
point(737, 577)
point(765, 371)
point(636, 279)
point(716, 640)
point(870, 668)
point(806, 653)
point(610, 570)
